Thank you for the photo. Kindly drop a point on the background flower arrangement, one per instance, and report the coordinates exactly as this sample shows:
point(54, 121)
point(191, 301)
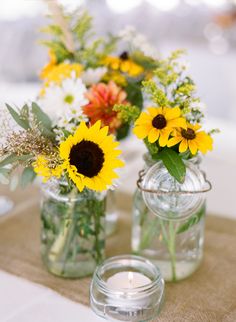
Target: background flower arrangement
point(109, 79)
point(171, 125)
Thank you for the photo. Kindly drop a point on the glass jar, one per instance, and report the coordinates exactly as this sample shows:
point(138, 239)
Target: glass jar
point(111, 212)
point(171, 235)
point(138, 299)
point(72, 229)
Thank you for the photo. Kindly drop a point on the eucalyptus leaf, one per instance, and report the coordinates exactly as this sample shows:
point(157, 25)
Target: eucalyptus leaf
point(14, 158)
point(18, 119)
point(28, 175)
point(193, 220)
point(44, 122)
point(40, 116)
point(174, 164)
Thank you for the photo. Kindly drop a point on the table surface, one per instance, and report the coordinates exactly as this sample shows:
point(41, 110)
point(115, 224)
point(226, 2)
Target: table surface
point(24, 301)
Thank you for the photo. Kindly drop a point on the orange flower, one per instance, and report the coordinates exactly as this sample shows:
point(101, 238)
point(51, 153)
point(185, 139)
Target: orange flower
point(102, 98)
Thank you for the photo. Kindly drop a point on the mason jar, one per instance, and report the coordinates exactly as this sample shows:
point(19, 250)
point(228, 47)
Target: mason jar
point(72, 229)
point(168, 229)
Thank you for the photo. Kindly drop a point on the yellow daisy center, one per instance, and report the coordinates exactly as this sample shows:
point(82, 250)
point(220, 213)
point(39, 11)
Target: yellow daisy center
point(159, 122)
point(87, 157)
point(188, 134)
point(69, 99)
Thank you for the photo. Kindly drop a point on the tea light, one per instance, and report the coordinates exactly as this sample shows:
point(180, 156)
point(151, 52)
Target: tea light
point(127, 280)
point(127, 288)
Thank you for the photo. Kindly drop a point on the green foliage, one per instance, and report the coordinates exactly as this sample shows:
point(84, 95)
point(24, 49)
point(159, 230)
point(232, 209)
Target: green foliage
point(19, 119)
point(193, 220)
point(173, 163)
point(59, 48)
point(27, 176)
point(158, 96)
point(127, 113)
point(43, 121)
point(12, 158)
point(122, 131)
point(82, 27)
point(152, 148)
point(88, 50)
point(134, 94)
point(148, 63)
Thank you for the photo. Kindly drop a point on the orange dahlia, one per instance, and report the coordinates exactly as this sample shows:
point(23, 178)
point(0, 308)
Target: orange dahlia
point(102, 98)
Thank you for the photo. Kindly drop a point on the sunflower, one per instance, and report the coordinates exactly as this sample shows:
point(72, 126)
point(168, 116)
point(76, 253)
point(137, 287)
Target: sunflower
point(90, 157)
point(124, 64)
point(157, 123)
point(191, 138)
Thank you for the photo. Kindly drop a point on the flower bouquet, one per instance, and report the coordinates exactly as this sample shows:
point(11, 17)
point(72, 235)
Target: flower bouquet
point(169, 206)
point(85, 79)
point(77, 167)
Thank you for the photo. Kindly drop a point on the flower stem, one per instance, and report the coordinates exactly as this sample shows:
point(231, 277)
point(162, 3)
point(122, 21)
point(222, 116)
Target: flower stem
point(61, 244)
point(170, 244)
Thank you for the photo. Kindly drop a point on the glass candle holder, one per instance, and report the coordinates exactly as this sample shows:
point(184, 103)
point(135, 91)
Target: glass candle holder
point(127, 288)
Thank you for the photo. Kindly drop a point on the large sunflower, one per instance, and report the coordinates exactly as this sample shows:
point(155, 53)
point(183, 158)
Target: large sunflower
point(157, 123)
point(90, 157)
point(191, 138)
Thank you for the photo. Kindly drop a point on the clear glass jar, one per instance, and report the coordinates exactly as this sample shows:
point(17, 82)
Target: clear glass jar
point(72, 229)
point(140, 300)
point(172, 240)
point(111, 212)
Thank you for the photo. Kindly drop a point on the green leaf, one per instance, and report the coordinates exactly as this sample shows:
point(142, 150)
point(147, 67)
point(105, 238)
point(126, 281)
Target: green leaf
point(18, 119)
point(14, 158)
point(24, 112)
point(122, 132)
point(173, 163)
point(27, 176)
point(44, 122)
point(193, 220)
point(40, 116)
point(134, 94)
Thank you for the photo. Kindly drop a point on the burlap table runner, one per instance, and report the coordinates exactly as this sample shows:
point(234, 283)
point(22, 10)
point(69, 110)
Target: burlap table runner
point(209, 295)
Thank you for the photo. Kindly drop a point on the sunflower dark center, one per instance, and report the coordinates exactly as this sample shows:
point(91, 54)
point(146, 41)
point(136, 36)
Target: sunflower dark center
point(87, 157)
point(124, 55)
point(188, 134)
point(159, 122)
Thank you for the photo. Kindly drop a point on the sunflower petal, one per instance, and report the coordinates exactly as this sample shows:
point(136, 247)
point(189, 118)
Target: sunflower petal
point(153, 135)
point(183, 146)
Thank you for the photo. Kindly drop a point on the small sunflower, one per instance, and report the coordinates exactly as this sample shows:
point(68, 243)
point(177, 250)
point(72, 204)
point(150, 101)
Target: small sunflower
point(90, 157)
point(42, 168)
point(57, 73)
point(48, 68)
point(191, 138)
point(124, 64)
point(157, 123)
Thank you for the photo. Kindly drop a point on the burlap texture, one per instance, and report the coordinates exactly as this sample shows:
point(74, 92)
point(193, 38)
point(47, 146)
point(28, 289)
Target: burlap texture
point(208, 296)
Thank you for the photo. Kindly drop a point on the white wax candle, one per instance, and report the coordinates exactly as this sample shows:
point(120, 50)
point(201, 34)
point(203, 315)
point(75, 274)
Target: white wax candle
point(127, 280)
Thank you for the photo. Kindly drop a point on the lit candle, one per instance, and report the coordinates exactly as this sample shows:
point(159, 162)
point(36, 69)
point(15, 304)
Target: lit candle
point(127, 280)
point(127, 288)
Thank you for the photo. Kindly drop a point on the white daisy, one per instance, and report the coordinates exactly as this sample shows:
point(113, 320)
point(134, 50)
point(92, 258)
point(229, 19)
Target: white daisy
point(64, 102)
point(93, 75)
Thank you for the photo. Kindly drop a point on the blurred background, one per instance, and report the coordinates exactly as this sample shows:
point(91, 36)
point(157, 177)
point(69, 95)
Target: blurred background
point(206, 28)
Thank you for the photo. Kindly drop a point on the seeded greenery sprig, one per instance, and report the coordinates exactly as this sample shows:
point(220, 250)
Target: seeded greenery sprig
point(34, 137)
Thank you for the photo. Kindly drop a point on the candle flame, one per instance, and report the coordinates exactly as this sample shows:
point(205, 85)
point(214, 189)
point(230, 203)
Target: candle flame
point(130, 277)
